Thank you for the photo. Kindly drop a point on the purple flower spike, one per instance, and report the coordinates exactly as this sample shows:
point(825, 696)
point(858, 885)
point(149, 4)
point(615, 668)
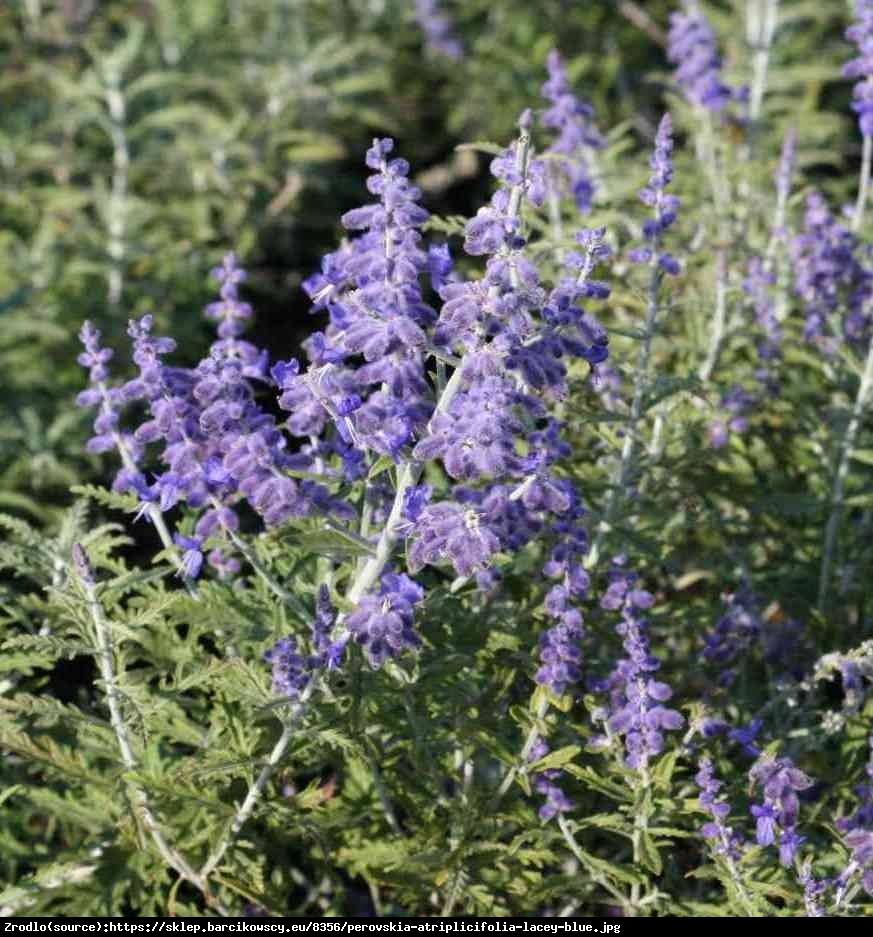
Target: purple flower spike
point(737, 631)
point(831, 278)
point(776, 817)
point(861, 33)
point(693, 47)
point(636, 712)
point(570, 169)
point(725, 840)
point(665, 207)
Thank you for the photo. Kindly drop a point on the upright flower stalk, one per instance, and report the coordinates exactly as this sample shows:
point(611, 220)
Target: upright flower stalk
point(762, 17)
point(139, 797)
point(844, 458)
point(664, 211)
point(861, 68)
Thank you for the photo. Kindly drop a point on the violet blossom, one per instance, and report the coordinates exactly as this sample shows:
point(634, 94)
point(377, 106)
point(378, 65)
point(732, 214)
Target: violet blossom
point(636, 711)
point(693, 48)
point(776, 818)
point(861, 68)
point(725, 840)
point(570, 156)
point(664, 206)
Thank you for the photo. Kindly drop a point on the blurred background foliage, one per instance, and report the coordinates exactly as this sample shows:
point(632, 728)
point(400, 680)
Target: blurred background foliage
point(141, 139)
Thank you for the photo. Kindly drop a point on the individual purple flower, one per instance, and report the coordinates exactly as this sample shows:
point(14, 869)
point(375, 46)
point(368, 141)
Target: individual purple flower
point(746, 736)
point(861, 33)
point(570, 162)
point(446, 531)
point(440, 267)
point(664, 206)
point(415, 500)
point(636, 711)
point(224, 563)
point(437, 30)
point(860, 844)
point(291, 673)
point(192, 558)
point(725, 840)
point(383, 622)
point(776, 818)
point(693, 48)
point(557, 802)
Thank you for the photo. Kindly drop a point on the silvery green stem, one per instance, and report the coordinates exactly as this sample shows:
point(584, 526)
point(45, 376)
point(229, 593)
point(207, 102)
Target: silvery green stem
point(847, 445)
point(252, 559)
point(847, 891)
point(628, 451)
point(117, 209)
point(863, 183)
point(761, 21)
point(139, 798)
point(527, 748)
point(257, 788)
point(719, 318)
point(24, 895)
point(576, 849)
point(641, 824)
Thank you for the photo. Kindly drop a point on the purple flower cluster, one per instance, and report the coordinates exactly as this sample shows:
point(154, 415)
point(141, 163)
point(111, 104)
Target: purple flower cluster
point(735, 404)
point(383, 621)
point(437, 29)
point(218, 447)
point(664, 206)
point(693, 48)
point(861, 33)
point(735, 634)
point(636, 710)
point(570, 154)
point(498, 224)
point(776, 817)
point(725, 840)
point(292, 669)
point(367, 393)
point(366, 376)
point(831, 277)
point(545, 784)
